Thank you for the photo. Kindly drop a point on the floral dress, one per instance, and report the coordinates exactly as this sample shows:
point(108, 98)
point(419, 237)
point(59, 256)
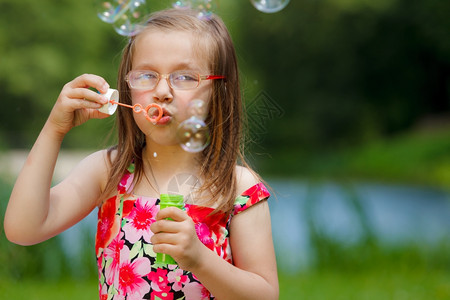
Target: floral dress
point(125, 258)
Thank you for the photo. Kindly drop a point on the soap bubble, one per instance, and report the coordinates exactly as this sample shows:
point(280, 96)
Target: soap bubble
point(204, 7)
point(110, 11)
point(197, 108)
point(269, 6)
point(193, 135)
point(131, 21)
point(126, 15)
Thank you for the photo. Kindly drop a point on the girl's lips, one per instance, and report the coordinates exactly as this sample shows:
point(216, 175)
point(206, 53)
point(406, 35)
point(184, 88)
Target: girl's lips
point(165, 119)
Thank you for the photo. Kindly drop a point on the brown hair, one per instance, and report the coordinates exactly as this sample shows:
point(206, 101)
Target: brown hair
point(224, 118)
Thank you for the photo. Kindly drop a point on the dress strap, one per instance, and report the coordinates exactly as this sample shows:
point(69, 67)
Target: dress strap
point(250, 197)
point(126, 182)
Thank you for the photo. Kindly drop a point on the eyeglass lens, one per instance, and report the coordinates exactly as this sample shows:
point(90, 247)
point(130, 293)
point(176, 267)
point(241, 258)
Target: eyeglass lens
point(178, 80)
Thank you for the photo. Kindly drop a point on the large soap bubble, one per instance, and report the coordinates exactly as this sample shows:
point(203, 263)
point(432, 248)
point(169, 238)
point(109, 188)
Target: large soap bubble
point(269, 6)
point(198, 108)
point(193, 133)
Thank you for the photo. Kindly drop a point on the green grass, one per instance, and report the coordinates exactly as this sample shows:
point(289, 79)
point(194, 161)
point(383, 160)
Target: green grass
point(376, 284)
point(366, 284)
point(34, 289)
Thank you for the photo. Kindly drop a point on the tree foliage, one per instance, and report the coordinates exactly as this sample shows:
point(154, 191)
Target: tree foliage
point(339, 71)
point(347, 71)
point(43, 45)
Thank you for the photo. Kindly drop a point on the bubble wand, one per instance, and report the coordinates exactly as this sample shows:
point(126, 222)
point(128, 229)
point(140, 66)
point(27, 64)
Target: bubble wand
point(113, 101)
point(137, 108)
point(192, 133)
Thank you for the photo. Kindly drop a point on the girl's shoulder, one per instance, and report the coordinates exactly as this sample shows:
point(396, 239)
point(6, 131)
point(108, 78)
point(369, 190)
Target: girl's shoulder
point(101, 160)
point(97, 161)
point(95, 167)
point(245, 179)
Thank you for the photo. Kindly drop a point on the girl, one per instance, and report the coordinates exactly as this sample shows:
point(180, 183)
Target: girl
point(222, 241)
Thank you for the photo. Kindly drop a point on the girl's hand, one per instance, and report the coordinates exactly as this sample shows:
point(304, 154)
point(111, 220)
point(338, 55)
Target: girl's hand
point(177, 238)
point(77, 103)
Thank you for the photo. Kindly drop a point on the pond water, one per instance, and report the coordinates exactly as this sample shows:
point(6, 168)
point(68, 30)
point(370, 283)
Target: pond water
point(347, 213)
point(393, 214)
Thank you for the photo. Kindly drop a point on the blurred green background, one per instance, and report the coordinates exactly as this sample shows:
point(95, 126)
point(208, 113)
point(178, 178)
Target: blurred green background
point(336, 90)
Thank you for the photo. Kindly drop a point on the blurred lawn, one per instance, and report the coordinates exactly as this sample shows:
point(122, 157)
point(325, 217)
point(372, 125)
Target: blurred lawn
point(371, 284)
point(331, 284)
point(33, 289)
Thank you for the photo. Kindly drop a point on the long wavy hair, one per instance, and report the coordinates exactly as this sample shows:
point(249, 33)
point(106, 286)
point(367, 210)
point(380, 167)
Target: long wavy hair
point(224, 118)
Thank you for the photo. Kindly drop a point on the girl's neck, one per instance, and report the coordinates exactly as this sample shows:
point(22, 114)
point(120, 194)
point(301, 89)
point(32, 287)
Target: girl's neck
point(171, 158)
point(164, 163)
point(170, 169)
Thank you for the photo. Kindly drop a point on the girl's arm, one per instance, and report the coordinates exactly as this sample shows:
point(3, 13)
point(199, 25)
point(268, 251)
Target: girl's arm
point(254, 273)
point(36, 211)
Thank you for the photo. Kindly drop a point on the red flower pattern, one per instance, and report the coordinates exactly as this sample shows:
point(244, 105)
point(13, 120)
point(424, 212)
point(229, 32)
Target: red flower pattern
point(108, 224)
point(256, 193)
point(159, 280)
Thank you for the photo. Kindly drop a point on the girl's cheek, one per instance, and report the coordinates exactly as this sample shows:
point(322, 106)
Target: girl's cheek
point(138, 96)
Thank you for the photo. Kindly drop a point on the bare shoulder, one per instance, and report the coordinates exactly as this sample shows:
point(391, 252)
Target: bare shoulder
point(245, 178)
point(91, 171)
point(97, 161)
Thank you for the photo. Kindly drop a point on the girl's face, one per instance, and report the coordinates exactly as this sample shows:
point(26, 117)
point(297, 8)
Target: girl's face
point(165, 52)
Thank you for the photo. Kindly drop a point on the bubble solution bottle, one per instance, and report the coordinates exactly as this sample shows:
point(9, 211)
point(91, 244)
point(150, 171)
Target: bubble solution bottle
point(167, 200)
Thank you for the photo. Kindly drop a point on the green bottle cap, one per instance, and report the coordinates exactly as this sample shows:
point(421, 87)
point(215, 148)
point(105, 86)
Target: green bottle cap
point(171, 199)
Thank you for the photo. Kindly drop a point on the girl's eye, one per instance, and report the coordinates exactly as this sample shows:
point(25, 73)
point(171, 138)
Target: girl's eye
point(185, 77)
point(146, 76)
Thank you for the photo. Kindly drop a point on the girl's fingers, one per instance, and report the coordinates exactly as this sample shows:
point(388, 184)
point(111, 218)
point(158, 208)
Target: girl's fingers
point(164, 248)
point(172, 212)
point(165, 238)
point(164, 226)
point(178, 239)
point(90, 80)
point(78, 102)
point(88, 95)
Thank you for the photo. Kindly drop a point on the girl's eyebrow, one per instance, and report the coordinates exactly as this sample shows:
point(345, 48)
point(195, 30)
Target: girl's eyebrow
point(187, 65)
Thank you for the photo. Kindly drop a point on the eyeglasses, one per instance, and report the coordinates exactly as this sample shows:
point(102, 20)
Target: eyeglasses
point(179, 80)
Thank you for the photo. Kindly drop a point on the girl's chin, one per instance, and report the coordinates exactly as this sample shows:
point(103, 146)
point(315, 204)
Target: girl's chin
point(154, 140)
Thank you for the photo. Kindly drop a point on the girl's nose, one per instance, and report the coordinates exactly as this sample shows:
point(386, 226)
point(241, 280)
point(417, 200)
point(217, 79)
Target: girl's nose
point(163, 92)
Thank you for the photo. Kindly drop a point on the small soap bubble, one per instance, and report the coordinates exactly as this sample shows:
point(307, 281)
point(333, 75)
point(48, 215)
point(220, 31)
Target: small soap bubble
point(204, 7)
point(198, 108)
point(193, 135)
point(269, 6)
point(110, 11)
point(182, 4)
point(132, 18)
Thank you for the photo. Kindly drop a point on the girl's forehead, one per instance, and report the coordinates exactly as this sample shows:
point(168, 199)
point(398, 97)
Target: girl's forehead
point(170, 48)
